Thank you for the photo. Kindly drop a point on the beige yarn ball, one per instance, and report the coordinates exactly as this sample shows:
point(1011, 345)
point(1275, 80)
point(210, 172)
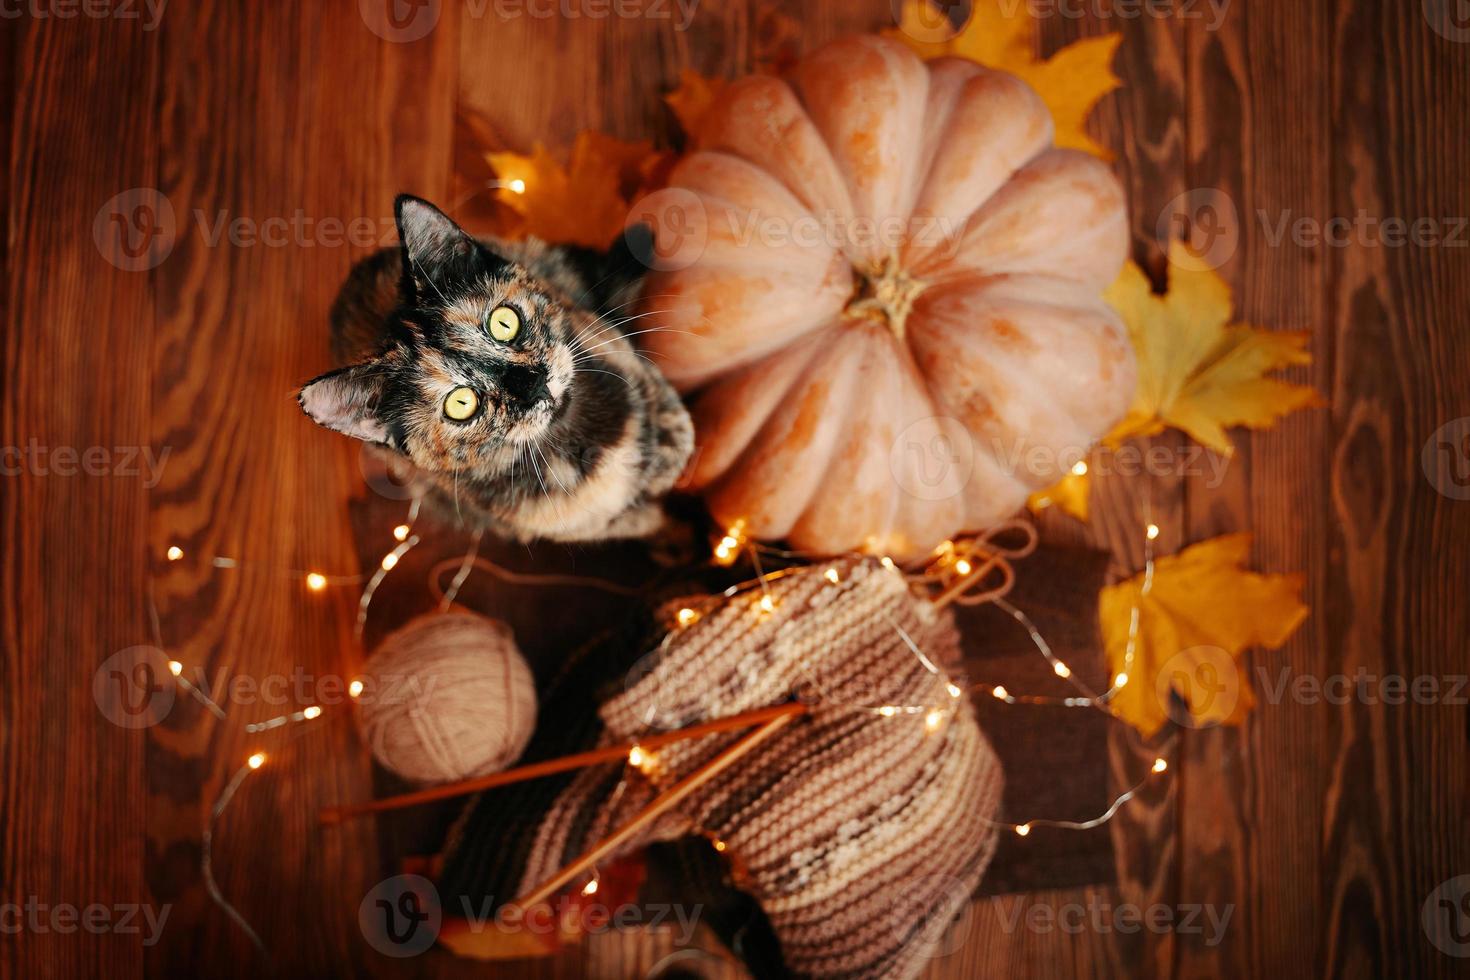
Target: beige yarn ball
point(447, 696)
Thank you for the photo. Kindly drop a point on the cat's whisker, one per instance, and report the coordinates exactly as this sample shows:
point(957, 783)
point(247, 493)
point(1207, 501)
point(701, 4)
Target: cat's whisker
point(608, 373)
point(606, 322)
point(430, 281)
point(589, 357)
point(553, 474)
point(539, 480)
point(638, 333)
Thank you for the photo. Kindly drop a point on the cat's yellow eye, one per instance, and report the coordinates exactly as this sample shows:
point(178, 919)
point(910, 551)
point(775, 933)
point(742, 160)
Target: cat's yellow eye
point(504, 323)
point(461, 404)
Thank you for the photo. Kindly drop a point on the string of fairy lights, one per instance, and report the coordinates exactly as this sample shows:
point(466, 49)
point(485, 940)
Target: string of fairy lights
point(957, 565)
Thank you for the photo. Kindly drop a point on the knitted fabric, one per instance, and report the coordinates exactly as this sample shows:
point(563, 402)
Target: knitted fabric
point(860, 834)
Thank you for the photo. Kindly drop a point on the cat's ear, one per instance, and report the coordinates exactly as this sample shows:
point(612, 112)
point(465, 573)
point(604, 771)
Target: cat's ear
point(347, 401)
point(436, 251)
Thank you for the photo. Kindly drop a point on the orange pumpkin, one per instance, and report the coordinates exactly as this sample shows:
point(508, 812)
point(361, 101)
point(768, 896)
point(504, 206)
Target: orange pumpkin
point(882, 295)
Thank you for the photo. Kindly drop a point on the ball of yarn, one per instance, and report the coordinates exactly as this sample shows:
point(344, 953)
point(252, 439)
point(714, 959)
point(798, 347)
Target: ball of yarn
point(447, 696)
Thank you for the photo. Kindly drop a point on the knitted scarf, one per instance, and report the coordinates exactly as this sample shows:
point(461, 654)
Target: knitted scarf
point(862, 828)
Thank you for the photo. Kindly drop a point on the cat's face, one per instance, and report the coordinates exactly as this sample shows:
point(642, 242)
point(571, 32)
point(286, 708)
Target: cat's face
point(481, 363)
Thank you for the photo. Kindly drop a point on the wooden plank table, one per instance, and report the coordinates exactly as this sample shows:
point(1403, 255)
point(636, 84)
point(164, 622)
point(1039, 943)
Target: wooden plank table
point(1321, 827)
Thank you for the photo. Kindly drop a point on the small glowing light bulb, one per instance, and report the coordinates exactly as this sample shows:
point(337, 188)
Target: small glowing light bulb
point(954, 690)
point(687, 616)
point(1120, 680)
point(389, 560)
point(354, 689)
point(316, 581)
point(1160, 765)
point(933, 720)
point(1079, 468)
point(888, 711)
point(719, 845)
point(401, 532)
point(175, 552)
point(832, 576)
point(1062, 670)
point(963, 567)
point(767, 604)
point(1153, 531)
point(518, 186)
point(636, 758)
point(256, 761)
point(590, 888)
point(1000, 692)
point(175, 668)
point(1023, 830)
point(314, 711)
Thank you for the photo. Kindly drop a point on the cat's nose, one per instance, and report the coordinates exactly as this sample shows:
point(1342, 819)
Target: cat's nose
point(525, 384)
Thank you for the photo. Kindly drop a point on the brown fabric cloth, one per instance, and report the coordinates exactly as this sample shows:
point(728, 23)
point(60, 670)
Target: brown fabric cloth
point(860, 834)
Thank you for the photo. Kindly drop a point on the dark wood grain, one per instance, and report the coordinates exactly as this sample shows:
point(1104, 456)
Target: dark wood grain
point(1321, 827)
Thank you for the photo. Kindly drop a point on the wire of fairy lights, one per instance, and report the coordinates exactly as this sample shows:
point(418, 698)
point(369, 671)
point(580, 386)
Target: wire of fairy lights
point(953, 559)
point(949, 561)
point(314, 581)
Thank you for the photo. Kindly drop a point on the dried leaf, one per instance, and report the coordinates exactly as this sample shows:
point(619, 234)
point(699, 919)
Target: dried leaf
point(1070, 493)
point(1003, 35)
point(584, 202)
point(1202, 611)
point(692, 99)
point(1197, 371)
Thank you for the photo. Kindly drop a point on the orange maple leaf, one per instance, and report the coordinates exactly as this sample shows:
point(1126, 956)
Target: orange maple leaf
point(584, 202)
point(1071, 82)
point(692, 99)
point(1197, 371)
point(1201, 612)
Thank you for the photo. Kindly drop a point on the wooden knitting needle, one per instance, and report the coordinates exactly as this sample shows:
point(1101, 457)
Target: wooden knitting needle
point(612, 753)
point(669, 798)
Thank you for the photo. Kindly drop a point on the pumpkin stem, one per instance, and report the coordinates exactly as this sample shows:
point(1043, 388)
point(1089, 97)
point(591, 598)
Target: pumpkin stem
point(884, 294)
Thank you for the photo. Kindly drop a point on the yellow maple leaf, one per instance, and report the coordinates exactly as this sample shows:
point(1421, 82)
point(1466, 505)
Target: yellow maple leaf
point(692, 99)
point(1071, 82)
point(1202, 611)
point(1070, 493)
point(584, 202)
point(1197, 371)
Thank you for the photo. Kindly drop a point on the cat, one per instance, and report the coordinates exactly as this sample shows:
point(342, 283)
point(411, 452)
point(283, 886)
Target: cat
point(502, 372)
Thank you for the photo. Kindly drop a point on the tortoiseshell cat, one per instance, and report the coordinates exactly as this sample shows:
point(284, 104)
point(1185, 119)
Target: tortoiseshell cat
point(526, 411)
